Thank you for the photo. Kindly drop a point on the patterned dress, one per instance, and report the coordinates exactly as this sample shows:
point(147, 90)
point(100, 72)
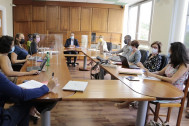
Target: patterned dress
point(153, 64)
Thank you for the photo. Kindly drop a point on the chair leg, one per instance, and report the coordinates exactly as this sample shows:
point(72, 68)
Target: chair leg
point(156, 115)
point(180, 115)
point(168, 114)
point(146, 121)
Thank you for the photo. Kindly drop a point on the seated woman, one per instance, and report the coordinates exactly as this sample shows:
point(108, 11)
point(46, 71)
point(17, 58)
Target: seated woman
point(18, 114)
point(153, 63)
point(7, 46)
point(33, 46)
point(135, 55)
point(20, 55)
point(102, 43)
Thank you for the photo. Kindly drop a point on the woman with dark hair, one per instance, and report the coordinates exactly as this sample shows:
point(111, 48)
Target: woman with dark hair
point(20, 55)
point(33, 46)
point(135, 55)
point(153, 63)
point(6, 47)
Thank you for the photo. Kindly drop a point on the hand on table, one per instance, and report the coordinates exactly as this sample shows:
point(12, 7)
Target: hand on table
point(34, 112)
point(34, 72)
point(52, 83)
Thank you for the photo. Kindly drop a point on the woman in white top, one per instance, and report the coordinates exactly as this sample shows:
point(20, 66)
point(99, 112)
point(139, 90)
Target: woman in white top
point(103, 43)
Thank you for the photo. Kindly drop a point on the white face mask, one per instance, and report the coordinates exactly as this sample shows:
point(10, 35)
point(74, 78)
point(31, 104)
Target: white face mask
point(154, 51)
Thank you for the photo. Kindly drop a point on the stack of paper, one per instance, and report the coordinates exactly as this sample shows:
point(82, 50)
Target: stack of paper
point(31, 84)
point(130, 71)
point(75, 86)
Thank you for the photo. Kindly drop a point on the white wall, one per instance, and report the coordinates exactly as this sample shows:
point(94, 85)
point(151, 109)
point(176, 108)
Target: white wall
point(162, 23)
point(5, 5)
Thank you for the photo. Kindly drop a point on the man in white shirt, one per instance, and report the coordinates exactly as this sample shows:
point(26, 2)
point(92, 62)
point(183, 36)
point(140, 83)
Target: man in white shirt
point(102, 43)
point(71, 43)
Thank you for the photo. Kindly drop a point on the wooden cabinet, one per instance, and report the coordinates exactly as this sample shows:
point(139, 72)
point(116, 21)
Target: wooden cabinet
point(115, 20)
point(86, 15)
point(75, 15)
point(38, 13)
point(22, 27)
point(116, 38)
point(106, 36)
point(52, 18)
point(99, 20)
point(22, 13)
point(64, 18)
point(38, 27)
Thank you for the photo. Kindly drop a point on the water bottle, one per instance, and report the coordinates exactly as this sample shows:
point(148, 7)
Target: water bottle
point(48, 59)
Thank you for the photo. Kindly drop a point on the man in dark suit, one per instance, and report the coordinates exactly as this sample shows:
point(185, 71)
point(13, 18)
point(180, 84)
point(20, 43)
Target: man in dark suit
point(71, 43)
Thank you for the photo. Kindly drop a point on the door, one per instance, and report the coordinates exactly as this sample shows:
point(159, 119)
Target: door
point(1, 28)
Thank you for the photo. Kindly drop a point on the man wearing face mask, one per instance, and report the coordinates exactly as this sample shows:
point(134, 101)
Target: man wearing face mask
point(20, 55)
point(34, 45)
point(102, 43)
point(71, 43)
point(125, 50)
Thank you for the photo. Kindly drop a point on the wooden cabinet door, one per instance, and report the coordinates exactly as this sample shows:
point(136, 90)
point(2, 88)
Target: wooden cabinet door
point(64, 18)
point(38, 27)
point(115, 20)
point(22, 27)
point(86, 15)
point(75, 17)
point(22, 13)
point(38, 13)
point(99, 20)
point(116, 38)
point(52, 18)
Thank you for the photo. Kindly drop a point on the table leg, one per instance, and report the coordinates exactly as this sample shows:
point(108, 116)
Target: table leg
point(46, 118)
point(101, 74)
point(85, 63)
point(141, 113)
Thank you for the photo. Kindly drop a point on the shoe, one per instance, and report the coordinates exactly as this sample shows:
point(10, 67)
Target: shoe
point(73, 64)
point(122, 105)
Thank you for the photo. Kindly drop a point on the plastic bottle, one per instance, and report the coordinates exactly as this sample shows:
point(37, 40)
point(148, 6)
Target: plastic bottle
point(48, 59)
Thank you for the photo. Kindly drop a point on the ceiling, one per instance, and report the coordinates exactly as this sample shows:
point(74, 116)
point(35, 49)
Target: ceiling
point(117, 2)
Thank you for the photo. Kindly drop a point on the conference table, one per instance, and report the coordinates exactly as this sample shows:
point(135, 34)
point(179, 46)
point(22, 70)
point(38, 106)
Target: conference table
point(99, 90)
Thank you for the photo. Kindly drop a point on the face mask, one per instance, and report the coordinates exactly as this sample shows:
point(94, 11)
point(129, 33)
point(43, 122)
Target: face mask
point(126, 41)
point(154, 51)
point(37, 40)
point(169, 55)
point(12, 49)
point(30, 39)
point(101, 39)
point(22, 41)
point(72, 37)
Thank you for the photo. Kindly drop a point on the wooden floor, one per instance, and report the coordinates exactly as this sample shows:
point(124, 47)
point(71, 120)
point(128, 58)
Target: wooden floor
point(82, 113)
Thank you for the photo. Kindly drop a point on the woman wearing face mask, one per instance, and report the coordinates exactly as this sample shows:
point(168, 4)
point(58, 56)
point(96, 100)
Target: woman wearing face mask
point(7, 46)
point(153, 63)
point(34, 47)
point(20, 55)
point(126, 50)
point(135, 55)
point(102, 43)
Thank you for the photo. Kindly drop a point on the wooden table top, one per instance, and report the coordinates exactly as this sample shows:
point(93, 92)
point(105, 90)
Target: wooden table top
point(59, 67)
point(108, 90)
point(159, 89)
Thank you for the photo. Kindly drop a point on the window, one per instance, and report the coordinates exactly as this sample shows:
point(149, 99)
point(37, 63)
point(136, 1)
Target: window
point(186, 40)
point(140, 20)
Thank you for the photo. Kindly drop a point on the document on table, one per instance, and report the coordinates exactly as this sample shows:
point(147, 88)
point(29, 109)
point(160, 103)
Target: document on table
point(75, 86)
point(130, 71)
point(31, 84)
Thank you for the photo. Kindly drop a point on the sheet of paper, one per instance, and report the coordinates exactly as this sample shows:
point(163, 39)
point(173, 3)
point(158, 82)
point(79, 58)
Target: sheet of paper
point(75, 86)
point(31, 84)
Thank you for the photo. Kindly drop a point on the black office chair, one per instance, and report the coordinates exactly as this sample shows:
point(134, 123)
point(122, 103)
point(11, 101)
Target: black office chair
point(16, 66)
point(164, 62)
point(109, 46)
point(144, 55)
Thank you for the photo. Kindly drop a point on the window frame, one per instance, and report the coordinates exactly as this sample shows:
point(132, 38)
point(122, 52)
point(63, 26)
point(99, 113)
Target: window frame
point(187, 20)
point(138, 18)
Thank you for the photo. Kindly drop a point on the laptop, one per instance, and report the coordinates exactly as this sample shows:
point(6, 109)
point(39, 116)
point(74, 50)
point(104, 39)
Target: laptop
point(36, 58)
point(39, 68)
point(125, 63)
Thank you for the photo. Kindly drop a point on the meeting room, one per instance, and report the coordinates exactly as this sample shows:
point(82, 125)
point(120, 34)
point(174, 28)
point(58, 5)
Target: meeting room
point(94, 62)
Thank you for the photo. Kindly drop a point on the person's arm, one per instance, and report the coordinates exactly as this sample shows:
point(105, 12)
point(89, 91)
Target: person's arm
point(14, 58)
point(182, 69)
point(8, 71)
point(116, 52)
point(97, 47)
point(67, 43)
point(105, 47)
point(11, 90)
point(77, 43)
point(137, 57)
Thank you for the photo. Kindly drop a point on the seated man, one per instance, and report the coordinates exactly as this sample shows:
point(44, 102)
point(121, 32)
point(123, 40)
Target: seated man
point(102, 43)
point(71, 43)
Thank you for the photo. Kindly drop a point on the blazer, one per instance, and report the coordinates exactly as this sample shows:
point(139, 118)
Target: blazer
point(68, 42)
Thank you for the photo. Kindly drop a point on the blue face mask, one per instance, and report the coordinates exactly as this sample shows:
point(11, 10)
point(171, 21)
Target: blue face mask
point(72, 37)
point(12, 49)
point(168, 55)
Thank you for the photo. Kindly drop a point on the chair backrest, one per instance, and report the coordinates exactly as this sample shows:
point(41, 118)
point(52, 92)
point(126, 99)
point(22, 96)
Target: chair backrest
point(144, 55)
point(109, 46)
point(164, 62)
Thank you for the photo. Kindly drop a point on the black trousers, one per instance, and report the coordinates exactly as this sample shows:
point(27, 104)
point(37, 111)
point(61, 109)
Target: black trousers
point(69, 58)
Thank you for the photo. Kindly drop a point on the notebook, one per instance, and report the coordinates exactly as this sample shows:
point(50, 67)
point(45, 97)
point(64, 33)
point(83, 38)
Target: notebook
point(31, 84)
point(75, 86)
point(130, 71)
